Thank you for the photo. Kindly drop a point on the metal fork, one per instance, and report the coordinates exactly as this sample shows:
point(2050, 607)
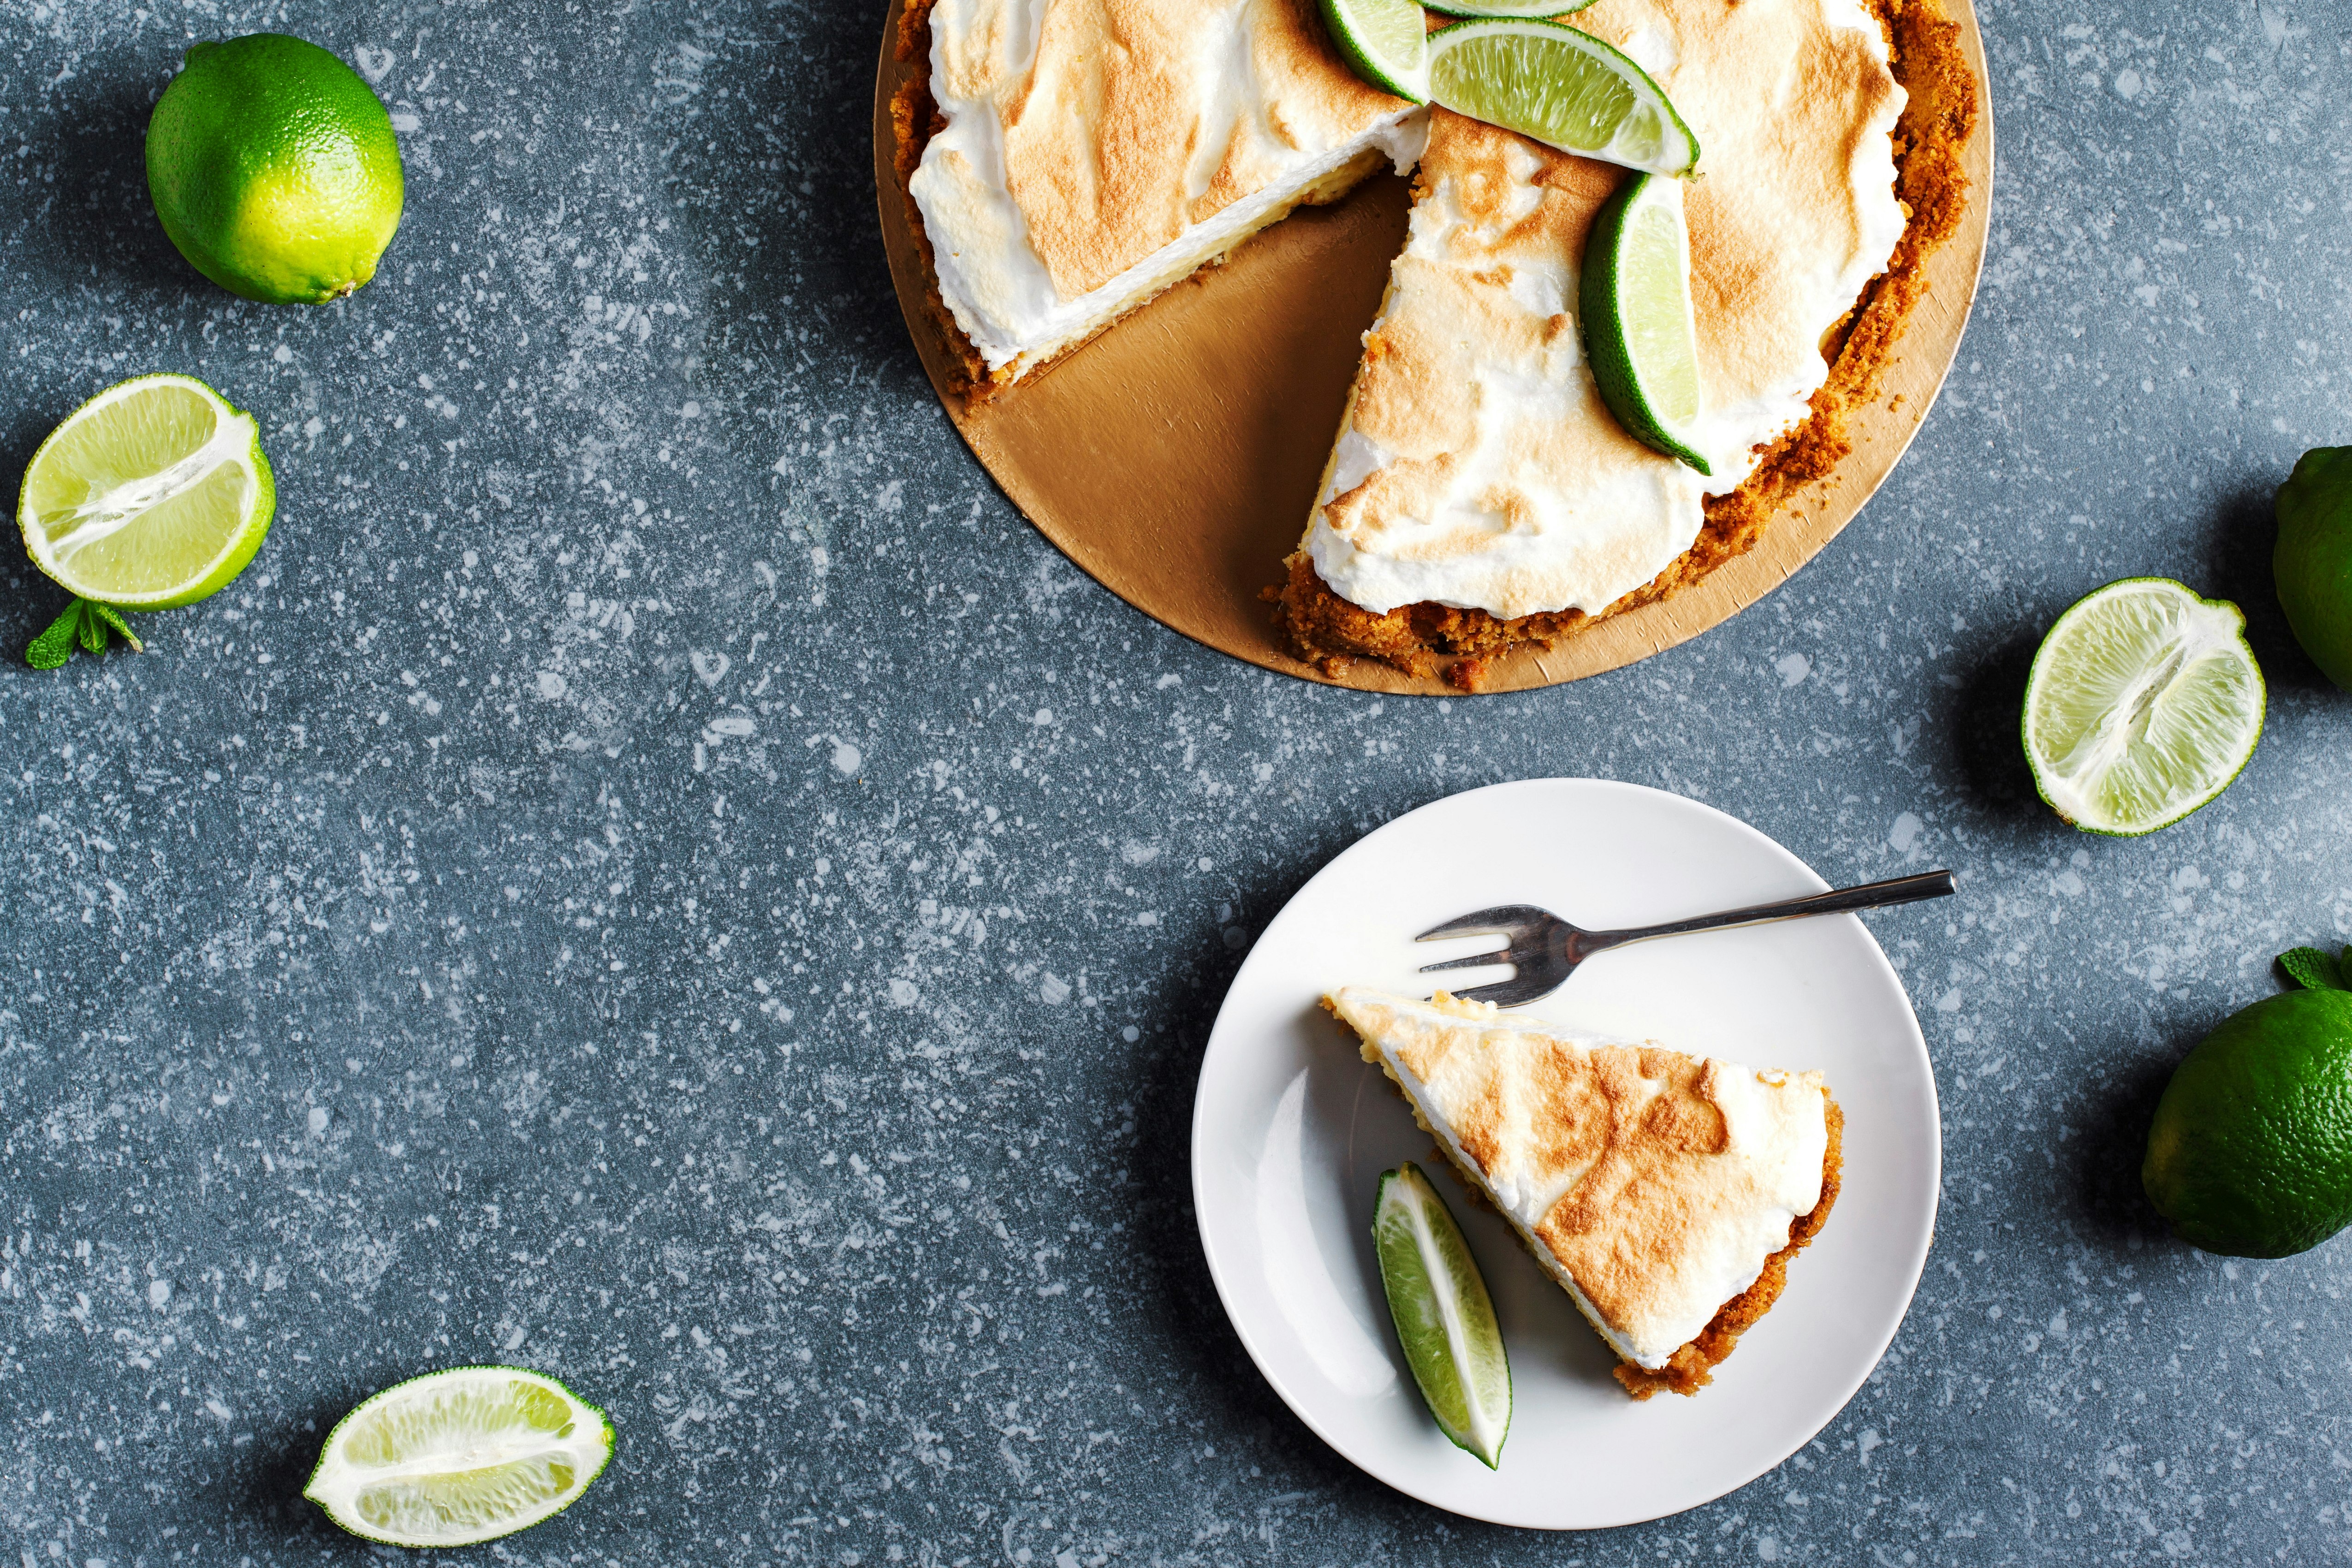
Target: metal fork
point(1544, 950)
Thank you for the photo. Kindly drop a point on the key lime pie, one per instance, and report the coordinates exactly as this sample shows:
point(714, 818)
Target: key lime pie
point(1665, 1192)
point(1066, 160)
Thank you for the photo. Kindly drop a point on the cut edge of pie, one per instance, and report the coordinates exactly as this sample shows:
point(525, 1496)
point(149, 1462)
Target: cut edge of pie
point(1435, 639)
point(1689, 1366)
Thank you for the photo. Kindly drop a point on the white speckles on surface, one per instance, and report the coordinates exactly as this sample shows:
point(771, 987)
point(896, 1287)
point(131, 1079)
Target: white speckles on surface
point(753, 965)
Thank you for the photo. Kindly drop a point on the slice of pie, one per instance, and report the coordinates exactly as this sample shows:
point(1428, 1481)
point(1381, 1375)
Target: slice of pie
point(1665, 1194)
point(1066, 160)
point(1478, 494)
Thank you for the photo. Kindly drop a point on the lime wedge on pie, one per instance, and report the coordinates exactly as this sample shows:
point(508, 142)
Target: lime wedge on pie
point(2144, 703)
point(460, 1456)
point(153, 494)
point(1562, 88)
point(1639, 331)
point(1445, 1319)
point(1384, 42)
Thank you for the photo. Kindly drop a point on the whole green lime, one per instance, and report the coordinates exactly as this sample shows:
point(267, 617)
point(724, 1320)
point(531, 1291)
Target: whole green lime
point(2313, 561)
point(2251, 1150)
point(274, 169)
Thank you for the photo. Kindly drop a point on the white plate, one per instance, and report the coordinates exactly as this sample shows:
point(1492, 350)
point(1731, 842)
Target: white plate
point(1291, 1130)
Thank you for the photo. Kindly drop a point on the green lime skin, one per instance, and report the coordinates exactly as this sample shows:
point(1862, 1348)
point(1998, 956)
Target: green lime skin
point(2251, 1150)
point(274, 169)
point(1605, 350)
point(2313, 561)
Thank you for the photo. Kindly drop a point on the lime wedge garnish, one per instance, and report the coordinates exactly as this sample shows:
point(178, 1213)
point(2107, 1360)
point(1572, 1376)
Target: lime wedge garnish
point(2144, 703)
point(153, 493)
point(1506, 7)
point(1383, 43)
point(1635, 303)
point(1443, 1317)
point(1561, 86)
point(458, 1456)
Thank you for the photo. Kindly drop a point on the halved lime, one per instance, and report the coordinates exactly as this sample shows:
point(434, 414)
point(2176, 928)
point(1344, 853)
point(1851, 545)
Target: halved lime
point(1444, 1319)
point(1561, 86)
point(1383, 42)
point(460, 1457)
point(1635, 304)
point(2144, 703)
point(1506, 7)
point(153, 494)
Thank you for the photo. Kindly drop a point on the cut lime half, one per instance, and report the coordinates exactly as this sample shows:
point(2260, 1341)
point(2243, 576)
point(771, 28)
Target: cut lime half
point(1561, 86)
point(1635, 301)
point(2144, 703)
point(1383, 42)
point(153, 494)
point(460, 1457)
point(1445, 1319)
point(1538, 8)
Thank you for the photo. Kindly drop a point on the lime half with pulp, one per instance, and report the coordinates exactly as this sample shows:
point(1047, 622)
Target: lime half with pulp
point(1445, 1319)
point(1639, 333)
point(1383, 42)
point(1563, 88)
point(2144, 703)
point(460, 1457)
point(153, 494)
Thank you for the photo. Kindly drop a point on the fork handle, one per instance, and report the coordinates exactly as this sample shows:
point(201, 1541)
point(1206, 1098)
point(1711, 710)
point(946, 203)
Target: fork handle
point(1869, 896)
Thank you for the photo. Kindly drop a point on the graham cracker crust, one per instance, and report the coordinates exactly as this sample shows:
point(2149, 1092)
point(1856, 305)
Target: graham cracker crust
point(1420, 639)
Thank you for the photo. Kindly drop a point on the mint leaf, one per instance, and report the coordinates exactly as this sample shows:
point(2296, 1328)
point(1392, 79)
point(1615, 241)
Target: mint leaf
point(113, 617)
point(55, 646)
point(2313, 970)
point(93, 630)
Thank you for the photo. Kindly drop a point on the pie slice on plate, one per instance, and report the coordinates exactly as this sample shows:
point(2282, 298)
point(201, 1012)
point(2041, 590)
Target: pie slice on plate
point(1665, 1192)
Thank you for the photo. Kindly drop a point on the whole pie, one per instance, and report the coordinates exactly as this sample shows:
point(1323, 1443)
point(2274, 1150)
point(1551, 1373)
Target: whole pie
point(1064, 160)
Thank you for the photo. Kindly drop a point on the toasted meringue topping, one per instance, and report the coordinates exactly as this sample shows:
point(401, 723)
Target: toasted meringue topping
point(1092, 146)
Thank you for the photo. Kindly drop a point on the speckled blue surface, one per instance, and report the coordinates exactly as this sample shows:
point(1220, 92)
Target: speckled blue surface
point(659, 874)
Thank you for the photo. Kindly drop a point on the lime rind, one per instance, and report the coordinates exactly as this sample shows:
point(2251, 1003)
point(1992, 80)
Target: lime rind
point(1561, 86)
point(1445, 1319)
point(2144, 703)
point(397, 1469)
point(153, 494)
point(1641, 338)
point(1384, 42)
point(1539, 10)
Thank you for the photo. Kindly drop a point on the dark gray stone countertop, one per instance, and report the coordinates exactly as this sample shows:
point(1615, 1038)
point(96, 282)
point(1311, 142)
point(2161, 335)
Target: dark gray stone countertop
point(659, 873)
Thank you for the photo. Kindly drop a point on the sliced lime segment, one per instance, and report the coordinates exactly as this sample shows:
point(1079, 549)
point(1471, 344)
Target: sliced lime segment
point(1635, 301)
point(1444, 1319)
point(2144, 703)
point(460, 1457)
point(1561, 86)
point(153, 493)
point(1383, 42)
point(1542, 8)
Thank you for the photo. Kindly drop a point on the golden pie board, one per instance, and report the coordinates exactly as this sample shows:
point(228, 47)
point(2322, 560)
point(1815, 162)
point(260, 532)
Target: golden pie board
point(1175, 458)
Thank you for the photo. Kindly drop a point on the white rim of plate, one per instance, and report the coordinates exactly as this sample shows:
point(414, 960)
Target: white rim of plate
point(1906, 1268)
